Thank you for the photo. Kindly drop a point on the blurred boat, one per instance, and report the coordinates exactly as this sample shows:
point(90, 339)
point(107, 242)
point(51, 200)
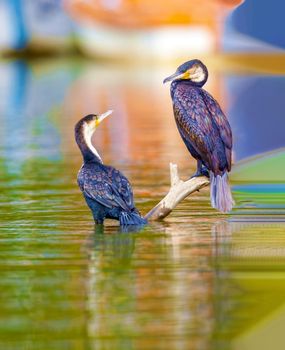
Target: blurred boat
point(146, 29)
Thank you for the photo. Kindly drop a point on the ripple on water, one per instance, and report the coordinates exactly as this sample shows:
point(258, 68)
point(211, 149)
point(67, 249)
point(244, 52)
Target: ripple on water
point(198, 280)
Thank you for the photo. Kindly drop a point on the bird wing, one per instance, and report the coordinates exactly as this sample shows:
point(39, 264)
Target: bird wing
point(194, 122)
point(221, 122)
point(109, 187)
point(198, 127)
point(219, 118)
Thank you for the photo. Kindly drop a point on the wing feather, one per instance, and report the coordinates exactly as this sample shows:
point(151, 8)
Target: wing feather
point(222, 124)
point(109, 187)
point(219, 118)
point(203, 126)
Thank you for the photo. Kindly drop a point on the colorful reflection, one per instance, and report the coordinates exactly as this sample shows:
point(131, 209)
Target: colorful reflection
point(196, 281)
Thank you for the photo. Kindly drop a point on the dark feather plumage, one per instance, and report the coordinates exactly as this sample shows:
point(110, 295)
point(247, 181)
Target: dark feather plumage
point(106, 190)
point(203, 126)
point(105, 185)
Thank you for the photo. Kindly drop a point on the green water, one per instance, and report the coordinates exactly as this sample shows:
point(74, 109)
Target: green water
point(199, 280)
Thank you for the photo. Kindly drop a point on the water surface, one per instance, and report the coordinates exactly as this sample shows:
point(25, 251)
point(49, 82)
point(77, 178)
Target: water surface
point(199, 280)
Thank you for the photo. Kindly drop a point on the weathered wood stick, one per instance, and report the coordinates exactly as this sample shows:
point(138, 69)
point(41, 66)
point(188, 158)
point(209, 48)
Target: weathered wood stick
point(178, 191)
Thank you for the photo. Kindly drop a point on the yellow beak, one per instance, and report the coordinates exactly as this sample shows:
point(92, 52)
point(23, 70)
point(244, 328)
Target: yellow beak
point(101, 117)
point(177, 75)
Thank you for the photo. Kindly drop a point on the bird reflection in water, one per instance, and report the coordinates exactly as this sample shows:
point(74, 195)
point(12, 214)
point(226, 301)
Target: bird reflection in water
point(179, 262)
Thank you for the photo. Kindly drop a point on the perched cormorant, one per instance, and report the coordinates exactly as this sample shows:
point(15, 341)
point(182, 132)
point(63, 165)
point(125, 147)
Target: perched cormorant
point(106, 190)
point(204, 129)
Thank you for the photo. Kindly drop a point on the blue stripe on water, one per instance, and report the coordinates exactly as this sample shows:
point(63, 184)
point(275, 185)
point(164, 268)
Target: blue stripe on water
point(260, 188)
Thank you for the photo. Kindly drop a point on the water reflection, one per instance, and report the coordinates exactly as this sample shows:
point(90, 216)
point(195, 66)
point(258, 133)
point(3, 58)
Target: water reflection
point(188, 285)
point(177, 285)
point(40, 102)
point(197, 281)
point(28, 112)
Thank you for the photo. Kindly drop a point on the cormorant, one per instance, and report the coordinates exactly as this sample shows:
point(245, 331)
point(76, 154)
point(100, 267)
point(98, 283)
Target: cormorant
point(106, 190)
point(204, 129)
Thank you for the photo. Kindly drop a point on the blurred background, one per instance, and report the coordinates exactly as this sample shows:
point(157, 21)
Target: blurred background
point(200, 280)
point(112, 53)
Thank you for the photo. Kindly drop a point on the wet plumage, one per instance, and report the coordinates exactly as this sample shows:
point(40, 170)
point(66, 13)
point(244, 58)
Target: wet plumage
point(106, 190)
point(204, 129)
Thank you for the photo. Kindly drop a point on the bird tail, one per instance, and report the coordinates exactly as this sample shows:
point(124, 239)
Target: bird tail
point(221, 196)
point(131, 218)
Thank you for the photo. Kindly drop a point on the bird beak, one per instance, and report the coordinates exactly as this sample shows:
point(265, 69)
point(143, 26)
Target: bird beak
point(176, 75)
point(101, 117)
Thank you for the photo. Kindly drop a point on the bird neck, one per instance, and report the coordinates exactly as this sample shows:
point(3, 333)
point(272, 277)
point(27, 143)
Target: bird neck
point(191, 82)
point(186, 82)
point(83, 138)
point(198, 84)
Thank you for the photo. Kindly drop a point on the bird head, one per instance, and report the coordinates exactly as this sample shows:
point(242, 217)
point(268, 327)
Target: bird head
point(193, 70)
point(89, 124)
point(84, 130)
point(92, 121)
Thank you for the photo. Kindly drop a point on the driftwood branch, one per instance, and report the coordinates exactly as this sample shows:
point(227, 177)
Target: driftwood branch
point(179, 190)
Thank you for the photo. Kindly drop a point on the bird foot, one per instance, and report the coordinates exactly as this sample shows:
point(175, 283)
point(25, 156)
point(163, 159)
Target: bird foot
point(201, 172)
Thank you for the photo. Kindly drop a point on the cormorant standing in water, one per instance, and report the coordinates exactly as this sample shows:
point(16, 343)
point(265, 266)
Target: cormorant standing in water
point(106, 190)
point(204, 129)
